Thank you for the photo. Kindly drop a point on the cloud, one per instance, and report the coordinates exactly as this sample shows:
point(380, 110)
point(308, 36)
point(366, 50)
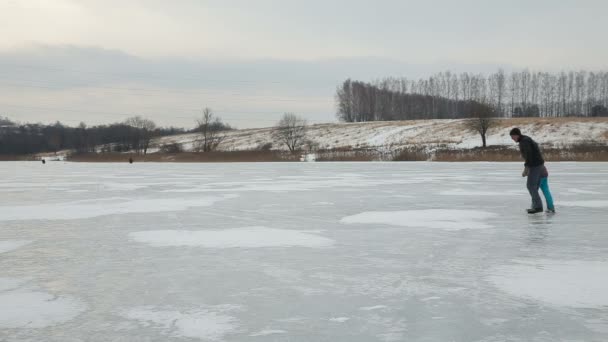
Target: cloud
point(73, 83)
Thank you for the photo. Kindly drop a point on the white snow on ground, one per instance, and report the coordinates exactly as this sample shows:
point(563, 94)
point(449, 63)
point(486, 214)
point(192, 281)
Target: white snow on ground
point(448, 219)
point(586, 204)
point(204, 324)
point(9, 245)
point(101, 207)
point(248, 237)
point(451, 133)
point(21, 307)
point(572, 283)
point(267, 332)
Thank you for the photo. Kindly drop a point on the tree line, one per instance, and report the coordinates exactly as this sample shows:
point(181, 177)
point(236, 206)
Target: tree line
point(134, 134)
point(449, 95)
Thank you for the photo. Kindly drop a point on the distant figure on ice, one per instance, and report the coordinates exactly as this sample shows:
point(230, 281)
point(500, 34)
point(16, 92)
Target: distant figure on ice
point(534, 168)
point(43, 161)
point(130, 160)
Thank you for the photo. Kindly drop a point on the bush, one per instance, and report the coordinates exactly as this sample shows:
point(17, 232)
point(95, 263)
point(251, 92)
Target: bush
point(412, 154)
point(171, 148)
point(264, 147)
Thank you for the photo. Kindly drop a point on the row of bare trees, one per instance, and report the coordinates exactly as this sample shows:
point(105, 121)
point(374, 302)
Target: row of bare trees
point(211, 129)
point(133, 134)
point(450, 95)
point(289, 131)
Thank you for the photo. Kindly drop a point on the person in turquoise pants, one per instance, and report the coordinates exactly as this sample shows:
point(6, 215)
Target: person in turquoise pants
point(544, 187)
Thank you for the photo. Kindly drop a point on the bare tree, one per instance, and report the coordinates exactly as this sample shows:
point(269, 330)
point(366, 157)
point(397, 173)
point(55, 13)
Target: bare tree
point(291, 131)
point(144, 130)
point(211, 131)
point(483, 117)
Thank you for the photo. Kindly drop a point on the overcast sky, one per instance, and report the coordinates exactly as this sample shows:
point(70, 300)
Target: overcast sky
point(250, 61)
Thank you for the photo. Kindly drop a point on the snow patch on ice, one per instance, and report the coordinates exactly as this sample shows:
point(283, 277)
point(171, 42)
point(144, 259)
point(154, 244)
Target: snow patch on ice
point(201, 324)
point(111, 186)
point(247, 237)
point(339, 319)
point(370, 308)
point(448, 219)
point(30, 309)
point(9, 245)
point(323, 203)
point(101, 207)
point(463, 192)
point(581, 191)
point(306, 184)
point(580, 284)
point(10, 283)
point(267, 332)
point(586, 204)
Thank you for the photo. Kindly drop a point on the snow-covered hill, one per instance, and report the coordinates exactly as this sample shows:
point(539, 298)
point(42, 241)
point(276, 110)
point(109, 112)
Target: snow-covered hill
point(397, 134)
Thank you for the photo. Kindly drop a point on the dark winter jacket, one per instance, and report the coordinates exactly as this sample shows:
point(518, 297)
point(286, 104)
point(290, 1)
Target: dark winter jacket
point(530, 151)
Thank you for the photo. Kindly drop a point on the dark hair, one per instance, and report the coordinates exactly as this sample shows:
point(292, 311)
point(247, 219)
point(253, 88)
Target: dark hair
point(515, 131)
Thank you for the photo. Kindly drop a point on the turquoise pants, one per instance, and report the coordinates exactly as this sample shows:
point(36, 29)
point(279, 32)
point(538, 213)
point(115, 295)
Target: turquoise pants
point(544, 187)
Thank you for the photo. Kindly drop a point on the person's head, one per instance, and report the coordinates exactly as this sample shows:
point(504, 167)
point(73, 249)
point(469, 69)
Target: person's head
point(515, 134)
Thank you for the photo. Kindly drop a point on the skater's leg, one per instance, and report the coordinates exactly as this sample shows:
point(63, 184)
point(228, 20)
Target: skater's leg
point(544, 186)
point(533, 184)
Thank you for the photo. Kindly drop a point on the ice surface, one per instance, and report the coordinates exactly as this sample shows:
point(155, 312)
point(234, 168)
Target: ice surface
point(376, 307)
point(449, 219)
point(10, 283)
point(22, 307)
point(300, 252)
point(247, 237)
point(9, 245)
point(463, 192)
point(268, 332)
point(574, 283)
point(200, 324)
point(101, 207)
point(588, 204)
point(581, 191)
point(339, 319)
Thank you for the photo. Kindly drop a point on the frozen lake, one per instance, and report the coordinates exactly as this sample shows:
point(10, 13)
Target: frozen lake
point(301, 252)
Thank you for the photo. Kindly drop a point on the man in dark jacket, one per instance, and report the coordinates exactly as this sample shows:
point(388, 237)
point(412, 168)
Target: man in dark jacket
point(533, 166)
